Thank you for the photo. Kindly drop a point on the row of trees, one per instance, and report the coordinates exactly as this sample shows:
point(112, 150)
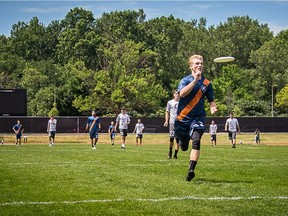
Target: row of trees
point(120, 59)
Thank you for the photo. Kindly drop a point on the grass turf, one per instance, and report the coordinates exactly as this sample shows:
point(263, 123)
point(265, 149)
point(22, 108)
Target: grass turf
point(73, 179)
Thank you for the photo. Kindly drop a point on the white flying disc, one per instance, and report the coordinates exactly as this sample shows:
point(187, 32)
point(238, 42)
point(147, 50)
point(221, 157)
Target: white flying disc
point(224, 59)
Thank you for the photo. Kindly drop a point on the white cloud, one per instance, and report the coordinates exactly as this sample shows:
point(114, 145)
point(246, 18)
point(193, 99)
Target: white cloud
point(275, 27)
point(46, 10)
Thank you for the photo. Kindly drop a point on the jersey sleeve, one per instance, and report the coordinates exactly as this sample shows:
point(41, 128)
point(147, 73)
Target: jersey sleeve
point(237, 123)
point(184, 82)
point(168, 106)
point(209, 93)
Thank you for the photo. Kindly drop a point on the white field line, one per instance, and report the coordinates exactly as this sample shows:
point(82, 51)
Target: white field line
point(143, 200)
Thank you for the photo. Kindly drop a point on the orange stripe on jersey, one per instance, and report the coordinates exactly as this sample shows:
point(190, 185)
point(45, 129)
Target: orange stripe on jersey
point(192, 103)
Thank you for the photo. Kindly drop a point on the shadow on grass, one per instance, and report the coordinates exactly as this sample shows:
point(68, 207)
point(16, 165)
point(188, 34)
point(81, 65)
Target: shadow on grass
point(219, 181)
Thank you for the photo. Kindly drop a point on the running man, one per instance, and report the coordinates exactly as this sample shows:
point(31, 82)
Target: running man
point(170, 117)
point(93, 126)
point(191, 111)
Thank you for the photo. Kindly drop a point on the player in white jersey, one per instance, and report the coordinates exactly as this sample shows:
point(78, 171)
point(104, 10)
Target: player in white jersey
point(213, 132)
point(51, 130)
point(123, 120)
point(170, 116)
point(232, 126)
point(139, 128)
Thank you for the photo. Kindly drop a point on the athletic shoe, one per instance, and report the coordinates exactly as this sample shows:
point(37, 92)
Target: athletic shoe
point(123, 146)
point(94, 147)
point(234, 146)
point(50, 144)
point(190, 175)
point(175, 157)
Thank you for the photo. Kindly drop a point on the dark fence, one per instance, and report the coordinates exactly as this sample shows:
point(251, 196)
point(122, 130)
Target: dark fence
point(77, 124)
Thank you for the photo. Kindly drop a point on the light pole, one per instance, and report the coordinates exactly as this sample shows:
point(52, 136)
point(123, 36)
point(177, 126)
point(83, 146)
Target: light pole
point(272, 101)
point(55, 91)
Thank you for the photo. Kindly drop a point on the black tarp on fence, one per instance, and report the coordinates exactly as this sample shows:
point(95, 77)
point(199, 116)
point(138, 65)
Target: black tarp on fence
point(76, 124)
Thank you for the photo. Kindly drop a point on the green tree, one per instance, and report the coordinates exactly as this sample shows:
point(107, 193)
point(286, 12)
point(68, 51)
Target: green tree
point(163, 36)
point(128, 80)
point(271, 66)
point(282, 100)
point(117, 26)
point(78, 40)
point(238, 37)
point(34, 81)
point(74, 80)
point(28, 40)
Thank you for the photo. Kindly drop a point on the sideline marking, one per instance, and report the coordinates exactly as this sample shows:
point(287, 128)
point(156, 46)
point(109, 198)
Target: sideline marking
point(140, 200)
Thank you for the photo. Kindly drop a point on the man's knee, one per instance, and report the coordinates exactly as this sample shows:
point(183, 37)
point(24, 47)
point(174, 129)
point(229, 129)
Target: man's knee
point(196, 139)
point(196, 143)
point(184, 144)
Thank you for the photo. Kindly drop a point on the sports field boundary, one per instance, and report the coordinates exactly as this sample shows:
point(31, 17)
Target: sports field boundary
point(143, 200)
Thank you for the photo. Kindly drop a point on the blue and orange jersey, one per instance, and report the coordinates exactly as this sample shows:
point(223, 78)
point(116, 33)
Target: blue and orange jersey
point(192, 106)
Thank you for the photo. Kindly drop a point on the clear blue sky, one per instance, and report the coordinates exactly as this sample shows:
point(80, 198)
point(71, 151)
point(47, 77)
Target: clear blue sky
point(274, 13)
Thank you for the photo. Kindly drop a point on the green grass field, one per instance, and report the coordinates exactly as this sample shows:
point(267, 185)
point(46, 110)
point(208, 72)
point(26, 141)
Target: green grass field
point(73, 179)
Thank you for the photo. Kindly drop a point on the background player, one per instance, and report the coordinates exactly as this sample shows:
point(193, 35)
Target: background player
point(139, 128)
point(123, 120)
point(257, 136)
point(18, 129)
point(51, 130)
point(231, 126)
point(94, 127)
point(213, 132)
point(170, 116)
point(112, 132)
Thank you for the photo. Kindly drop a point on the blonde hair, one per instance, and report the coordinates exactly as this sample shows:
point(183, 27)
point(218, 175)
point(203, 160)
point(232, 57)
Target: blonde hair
point(194, 57)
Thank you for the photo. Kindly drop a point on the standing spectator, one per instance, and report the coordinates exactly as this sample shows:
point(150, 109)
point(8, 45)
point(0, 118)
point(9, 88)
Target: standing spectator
point(257, 136)
point(170, 117)
point(51, 130)
point(231, 126)
point(18, 129)
point(93, 126)
point(213, 132)
point(123, 120)
point(139, 128)
point(112, 132)
point(191, 112)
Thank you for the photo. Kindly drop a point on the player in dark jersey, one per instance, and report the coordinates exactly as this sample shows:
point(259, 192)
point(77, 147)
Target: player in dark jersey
point(191, 114)
point(18, 129)
point(112, 132)
point(93, 126)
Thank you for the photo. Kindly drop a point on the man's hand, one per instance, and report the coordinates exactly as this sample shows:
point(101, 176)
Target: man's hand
point(213, 107)
point(197, 75)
